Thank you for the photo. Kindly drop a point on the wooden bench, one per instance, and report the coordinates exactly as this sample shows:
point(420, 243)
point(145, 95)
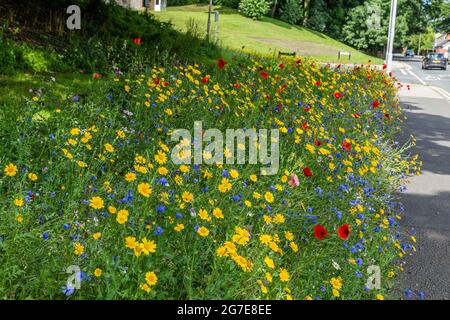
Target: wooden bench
point(344, 53)
point(280, 54)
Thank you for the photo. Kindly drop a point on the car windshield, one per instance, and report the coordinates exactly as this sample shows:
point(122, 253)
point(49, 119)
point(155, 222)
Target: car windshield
point(436, 55)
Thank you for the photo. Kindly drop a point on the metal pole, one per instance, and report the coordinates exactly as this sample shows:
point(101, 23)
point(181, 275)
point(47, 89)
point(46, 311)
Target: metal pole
point(209, 20)
point(391, 34)
point(418, 50)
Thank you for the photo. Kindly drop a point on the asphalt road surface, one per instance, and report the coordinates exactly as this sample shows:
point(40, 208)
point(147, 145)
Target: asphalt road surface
point(409, 70)
point(427, 199)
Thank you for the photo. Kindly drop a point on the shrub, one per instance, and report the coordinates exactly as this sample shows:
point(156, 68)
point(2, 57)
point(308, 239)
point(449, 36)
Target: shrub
point(7, 56)
point(291, 11)
point(254, 9)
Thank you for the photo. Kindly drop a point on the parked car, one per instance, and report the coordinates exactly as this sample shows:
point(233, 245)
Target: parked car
point(409, 53)
point(434, 60)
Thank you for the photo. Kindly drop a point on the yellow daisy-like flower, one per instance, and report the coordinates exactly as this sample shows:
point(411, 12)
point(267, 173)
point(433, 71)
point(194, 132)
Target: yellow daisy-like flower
point(380, 297)
point(145, 287)
point(122, 216)
point(144, 189)
point(112, 210)
point(19, 218)
point(98, 272)
point(284, 275)
point(32, 176)
point(269, 197)
point(130, 177)
point(234, 174)
point(151, 278)
point(187, 196)
point(202, 231)
point(78, 249)
point(217, 212)
point(160, 157)
point(336, 283)
point(10, 170)
point(131, 242)
point(269, 262)
point(96, 203)
point(19, 202)
point(148, 246)
point(179, 227)
point(109, 147)
point(97, 235)
point(253, 178)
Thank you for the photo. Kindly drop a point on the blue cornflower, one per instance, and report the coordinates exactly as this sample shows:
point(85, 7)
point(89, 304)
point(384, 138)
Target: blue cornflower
point(159, 230)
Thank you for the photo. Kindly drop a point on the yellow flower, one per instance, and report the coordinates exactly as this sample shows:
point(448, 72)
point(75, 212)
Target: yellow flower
point(162, 171)
point(151, 278)
point(179, 227)
point(202, 231)
point(75, 131)
point(131, 243)
point(269, 262)
point(145, 287)
point(269, 197)
point(187, 196)
point(203, 214)
point(120, 134)
point(284, 275)
point(241, 237)
point(19, 218)
point(293, 246)
point(19, 202)
point(160, 157)
point(234, 174)
point(265, 239)
point(224, 185)
point(112, 210)
point(96, 203)
point(144, 189)
point(78, 249)
point(130, 177)
point(97, 235)
point(122, 216)
point(148, 246)
point(253, 178)
point(336, 283)
point(217, 212)
point(380, 297)
point(32, 176)
point(10, 170)
point(268, 277)
point(98, 272)
point(336, 293)
point(109, 147)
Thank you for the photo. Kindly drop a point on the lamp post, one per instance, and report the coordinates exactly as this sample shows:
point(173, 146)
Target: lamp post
point(391, 33)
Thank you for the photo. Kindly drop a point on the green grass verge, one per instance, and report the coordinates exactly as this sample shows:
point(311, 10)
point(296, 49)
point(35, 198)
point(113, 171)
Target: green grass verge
point(265, 37)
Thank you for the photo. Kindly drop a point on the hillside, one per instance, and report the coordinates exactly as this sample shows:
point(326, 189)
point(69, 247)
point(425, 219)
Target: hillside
point(266, 37)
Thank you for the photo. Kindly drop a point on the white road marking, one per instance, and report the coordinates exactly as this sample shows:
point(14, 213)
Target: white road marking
point(417, 77)
point(442, 92)
point(403, 71)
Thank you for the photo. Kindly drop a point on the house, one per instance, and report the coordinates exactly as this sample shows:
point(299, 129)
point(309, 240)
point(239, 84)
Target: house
point(152, 5)
point(442, 44)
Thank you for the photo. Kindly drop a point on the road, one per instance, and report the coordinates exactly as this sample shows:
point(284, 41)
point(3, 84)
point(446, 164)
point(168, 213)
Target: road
point(427, 199)
point(409, 70)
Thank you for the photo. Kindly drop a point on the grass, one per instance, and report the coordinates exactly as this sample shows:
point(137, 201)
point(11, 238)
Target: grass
point(265, 37)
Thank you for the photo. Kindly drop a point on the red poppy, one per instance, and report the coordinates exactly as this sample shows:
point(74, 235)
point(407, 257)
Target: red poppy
point(96, 75)
point(281, 66)
point(165, 83)
point(317, 142)
point(156, 81)
point(298, 61)
point(221, 63)
point(204, 79)
point(307, 172)
point(356, 115)
point(387, 115)
point(344, 231)
point(305, 125)
point(375, 104)
point(263, 74)
point(307, 109)
point(137, 40)
point(346, 145)
point(338, 95)
point(318, 83)
point(320, 232)
point(384, 66)
point(237, 85)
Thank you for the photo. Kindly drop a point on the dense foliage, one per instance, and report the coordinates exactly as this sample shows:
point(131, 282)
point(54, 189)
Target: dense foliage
point(254, 9)
point(88, 182)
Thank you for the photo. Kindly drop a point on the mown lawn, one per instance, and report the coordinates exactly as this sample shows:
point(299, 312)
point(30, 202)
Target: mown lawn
point(265, 37)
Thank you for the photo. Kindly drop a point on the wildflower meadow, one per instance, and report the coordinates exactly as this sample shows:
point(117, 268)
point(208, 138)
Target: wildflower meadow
point(93, 206)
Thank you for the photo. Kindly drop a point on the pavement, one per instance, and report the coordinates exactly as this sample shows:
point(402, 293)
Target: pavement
point(427, 198)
